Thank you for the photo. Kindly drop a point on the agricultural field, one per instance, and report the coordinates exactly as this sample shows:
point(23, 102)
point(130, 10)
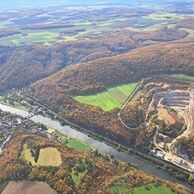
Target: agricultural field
point(166, 16)
point(51, 30)
point(30, 187)
point(47, 157)
point(30, 37)
point(49, 36)
point(109, 99)
point(78, 28)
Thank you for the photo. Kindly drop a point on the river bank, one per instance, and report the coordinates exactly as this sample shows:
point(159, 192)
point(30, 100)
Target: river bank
point(100, 146)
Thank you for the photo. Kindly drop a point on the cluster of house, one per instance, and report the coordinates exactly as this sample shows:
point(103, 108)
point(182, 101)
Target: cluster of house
point(9, 123)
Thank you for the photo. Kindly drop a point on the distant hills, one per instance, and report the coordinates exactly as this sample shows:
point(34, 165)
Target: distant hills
point(38, 3)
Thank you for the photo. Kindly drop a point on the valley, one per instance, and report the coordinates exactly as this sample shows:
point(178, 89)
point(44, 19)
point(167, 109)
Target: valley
point(154, 85)
point(102, 147)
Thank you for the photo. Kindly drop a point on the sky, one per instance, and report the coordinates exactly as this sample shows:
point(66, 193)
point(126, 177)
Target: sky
point(39, 3)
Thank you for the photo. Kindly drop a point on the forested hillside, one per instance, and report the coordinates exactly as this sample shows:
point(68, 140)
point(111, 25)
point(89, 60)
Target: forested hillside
point(57, 91)
point(174, 57)
point(27, 64)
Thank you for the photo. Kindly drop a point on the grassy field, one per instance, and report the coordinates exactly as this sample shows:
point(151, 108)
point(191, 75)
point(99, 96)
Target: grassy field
point(78, 145)
point(184, 77)
point(74, 143)
point(149, 189)
point(109, 99)
point(29, 38)
point(51, 35)
point(13, 104)
point(36, 36)
point(152, 190)
point(47, 157)
point(76, 178)
point(26, 155)
point(165, 16)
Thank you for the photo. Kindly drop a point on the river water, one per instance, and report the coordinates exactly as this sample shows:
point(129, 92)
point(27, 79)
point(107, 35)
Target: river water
point(100, 146)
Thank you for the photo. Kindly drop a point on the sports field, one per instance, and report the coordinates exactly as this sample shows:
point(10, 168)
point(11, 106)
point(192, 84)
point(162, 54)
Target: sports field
point(109, 99)
point(74, 143)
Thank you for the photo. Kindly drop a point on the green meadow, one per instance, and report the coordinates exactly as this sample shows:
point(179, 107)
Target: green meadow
point(78, 145)
point(29, 38)
point(111, 98)
point(52, 35)
point(76, 178)
point(148, 189)
point(151, 189)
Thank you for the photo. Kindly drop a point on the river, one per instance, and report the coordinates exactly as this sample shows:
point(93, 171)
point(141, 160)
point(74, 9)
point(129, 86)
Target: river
point(100, 146)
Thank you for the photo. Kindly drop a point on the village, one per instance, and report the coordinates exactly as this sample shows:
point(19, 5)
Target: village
point(10, 123)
